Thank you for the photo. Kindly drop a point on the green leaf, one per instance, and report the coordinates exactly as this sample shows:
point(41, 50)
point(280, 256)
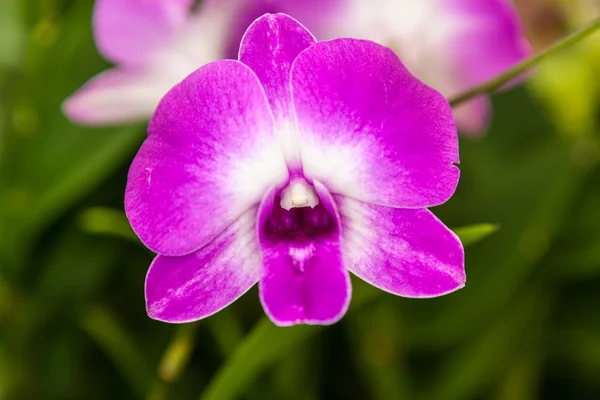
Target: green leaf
point(106, 221)
point(376, 334)
point(472, 234)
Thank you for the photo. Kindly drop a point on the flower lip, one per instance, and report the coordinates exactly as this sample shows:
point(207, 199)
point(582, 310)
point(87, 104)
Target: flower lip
point(297, 215)
point(303, 278)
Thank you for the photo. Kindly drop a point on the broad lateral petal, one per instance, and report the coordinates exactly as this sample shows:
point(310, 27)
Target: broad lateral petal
point(406, 252)
point(269, 47)
point(192, 287)
point(128, 31)
point(210, 155)
point(117, 96)
point(370, 130)
point(304, 279)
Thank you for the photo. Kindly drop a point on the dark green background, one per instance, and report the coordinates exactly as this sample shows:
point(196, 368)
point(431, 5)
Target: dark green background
point(72, 317)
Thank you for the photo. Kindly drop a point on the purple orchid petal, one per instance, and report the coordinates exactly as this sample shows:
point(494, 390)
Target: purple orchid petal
point(269, 47)
point(116, 96)
point(128, 31)
point(370, 130)
point(304, 279)
point(192, 287)
point(210, 155)
point(402, 251)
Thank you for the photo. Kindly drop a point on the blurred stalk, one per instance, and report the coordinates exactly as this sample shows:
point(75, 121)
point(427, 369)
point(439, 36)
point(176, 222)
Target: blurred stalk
point(522, 67)
point(122, 349)
point(225, 330)
point(296, 376)
point(174, 360)
point(376, 337)
point(522, 377)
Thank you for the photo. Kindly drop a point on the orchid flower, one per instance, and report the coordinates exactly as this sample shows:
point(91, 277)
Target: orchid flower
point(451, 45)
point(290, 167)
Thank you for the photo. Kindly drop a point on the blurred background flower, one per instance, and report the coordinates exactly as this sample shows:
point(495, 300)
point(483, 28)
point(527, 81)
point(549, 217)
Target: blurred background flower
point(451, 45)
point(72, 320)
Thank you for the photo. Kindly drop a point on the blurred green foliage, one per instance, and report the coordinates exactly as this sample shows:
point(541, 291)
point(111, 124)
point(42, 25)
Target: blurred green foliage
point(72, 317)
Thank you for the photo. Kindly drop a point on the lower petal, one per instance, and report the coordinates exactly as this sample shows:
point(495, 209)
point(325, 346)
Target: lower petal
point(192, 287)
point(407, 252)
point(304, 279)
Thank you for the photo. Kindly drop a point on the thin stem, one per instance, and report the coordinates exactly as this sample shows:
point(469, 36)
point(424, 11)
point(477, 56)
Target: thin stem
point(174, 360)
point(516, 71)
